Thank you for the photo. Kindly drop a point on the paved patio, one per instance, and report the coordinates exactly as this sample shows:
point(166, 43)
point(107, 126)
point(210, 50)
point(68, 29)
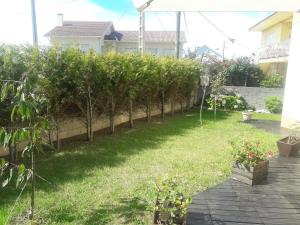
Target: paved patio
point(277, 202)
point(270, 126)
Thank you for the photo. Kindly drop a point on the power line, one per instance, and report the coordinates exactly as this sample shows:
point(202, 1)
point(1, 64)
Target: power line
point(186, 26)
point(217, 28)
point(232, 40)
point(161, 24)
point(122, 15)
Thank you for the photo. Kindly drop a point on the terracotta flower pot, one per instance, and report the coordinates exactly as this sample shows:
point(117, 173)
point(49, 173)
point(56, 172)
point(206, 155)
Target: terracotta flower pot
point(288, 149)
point(250, 175)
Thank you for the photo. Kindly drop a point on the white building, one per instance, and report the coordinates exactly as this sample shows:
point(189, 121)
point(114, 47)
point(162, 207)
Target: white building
point(102, 37)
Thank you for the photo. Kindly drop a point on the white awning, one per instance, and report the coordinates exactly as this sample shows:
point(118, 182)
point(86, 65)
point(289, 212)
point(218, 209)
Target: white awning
point(220, 5)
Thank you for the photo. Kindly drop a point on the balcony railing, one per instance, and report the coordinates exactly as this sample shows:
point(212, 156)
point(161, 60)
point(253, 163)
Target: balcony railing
point(274, 51)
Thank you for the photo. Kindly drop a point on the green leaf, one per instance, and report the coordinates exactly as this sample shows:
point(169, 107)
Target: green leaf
point(7, 139)
point(21, 169)
point(5, 182)
point(2, 136)
point(2, 163)
point(12, 115)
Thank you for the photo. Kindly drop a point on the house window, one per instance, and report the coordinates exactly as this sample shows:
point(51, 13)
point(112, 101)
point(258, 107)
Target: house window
point(169, 52)
point(84, 47)
point(271, 39)
point(152, 51)
point(65, 46)
point(133, 50)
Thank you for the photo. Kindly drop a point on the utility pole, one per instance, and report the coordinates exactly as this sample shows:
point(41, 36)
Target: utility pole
point(177, 48)
point(141, 32)
point(142, 26)
point(34, 27)
point(223, 51)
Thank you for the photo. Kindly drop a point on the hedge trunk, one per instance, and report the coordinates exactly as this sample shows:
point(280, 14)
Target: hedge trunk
point(112, 115)
point(32, 203)
point(130, 113)
point(149, 109)
point(181, 107)
point(58, 143)
point(172, 106)
point(89, 115)
point(12, 153)
point(162, 100)
point(188, 103)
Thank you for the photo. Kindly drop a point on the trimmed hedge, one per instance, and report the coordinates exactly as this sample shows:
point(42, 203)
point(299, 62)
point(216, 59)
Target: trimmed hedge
point(88, 84)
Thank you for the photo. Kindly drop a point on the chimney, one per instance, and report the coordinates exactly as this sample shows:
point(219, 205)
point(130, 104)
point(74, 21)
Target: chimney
point(60, 19)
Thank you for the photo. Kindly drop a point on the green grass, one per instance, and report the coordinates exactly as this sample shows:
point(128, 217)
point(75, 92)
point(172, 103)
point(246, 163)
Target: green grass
point(111, 180)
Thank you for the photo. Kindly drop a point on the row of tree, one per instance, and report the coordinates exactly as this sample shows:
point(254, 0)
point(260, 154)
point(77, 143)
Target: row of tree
point(89, 85)
point(41, 86)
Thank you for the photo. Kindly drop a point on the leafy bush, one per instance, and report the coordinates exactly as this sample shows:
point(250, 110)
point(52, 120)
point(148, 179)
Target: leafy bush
point(274, 104)
point(243, 72)
point(171, 204)
point(272, 81)
point(235, 103)
point(249, 153)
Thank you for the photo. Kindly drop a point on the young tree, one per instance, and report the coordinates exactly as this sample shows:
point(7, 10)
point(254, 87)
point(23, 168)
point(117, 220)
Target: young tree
point(132, 67)
point(27, 108)
point(12, 67)
point(243, 72)
point(149, 83)
point(114, 72)
point(51, 86)
point(217, 83)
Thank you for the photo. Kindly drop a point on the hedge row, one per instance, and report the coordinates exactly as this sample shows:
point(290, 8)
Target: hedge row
point(90, 85)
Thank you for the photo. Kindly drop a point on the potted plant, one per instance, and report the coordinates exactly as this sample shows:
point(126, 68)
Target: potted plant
point(290, 145)
point(247, 115)
point(250, 162)
point(170, 205)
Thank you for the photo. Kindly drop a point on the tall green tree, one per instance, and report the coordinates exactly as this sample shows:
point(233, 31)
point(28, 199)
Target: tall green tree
point(243, 72)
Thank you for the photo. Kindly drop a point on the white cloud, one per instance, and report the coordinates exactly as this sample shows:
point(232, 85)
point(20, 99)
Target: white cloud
point(15, 23)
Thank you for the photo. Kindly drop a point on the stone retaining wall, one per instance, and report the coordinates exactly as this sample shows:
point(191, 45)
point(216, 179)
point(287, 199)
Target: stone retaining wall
point(255, 96)
point(72, 127)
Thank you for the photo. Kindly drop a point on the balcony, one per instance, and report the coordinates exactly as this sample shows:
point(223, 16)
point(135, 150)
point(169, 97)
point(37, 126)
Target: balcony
point(274, 51)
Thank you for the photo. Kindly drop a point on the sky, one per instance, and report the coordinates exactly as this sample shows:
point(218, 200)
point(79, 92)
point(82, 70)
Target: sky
point(15, 22)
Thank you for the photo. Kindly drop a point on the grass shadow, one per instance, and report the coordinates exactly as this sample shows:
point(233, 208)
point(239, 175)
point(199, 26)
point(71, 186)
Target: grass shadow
point(79, 158)
point(130, 210)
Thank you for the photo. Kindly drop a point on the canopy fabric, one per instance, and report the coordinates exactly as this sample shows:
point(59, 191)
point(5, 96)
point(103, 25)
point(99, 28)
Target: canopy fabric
point(220, 5)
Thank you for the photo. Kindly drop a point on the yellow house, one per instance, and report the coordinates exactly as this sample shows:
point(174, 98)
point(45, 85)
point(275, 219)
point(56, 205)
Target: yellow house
point(275, 42)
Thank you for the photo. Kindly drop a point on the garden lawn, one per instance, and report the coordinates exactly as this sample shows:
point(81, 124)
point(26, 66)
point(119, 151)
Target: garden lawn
point(111, 180)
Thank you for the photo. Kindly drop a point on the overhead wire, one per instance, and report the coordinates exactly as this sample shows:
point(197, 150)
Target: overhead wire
point(47, 7)
point(161, 24)
point(232, 40)
point(186, 26)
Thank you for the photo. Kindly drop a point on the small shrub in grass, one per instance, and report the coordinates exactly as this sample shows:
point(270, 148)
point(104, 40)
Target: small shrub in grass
point(274, 104)
point(171, 204)
point(231, 102)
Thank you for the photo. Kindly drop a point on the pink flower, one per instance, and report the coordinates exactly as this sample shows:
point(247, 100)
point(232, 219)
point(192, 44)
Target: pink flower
point(269, 154)
point(251, 155)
